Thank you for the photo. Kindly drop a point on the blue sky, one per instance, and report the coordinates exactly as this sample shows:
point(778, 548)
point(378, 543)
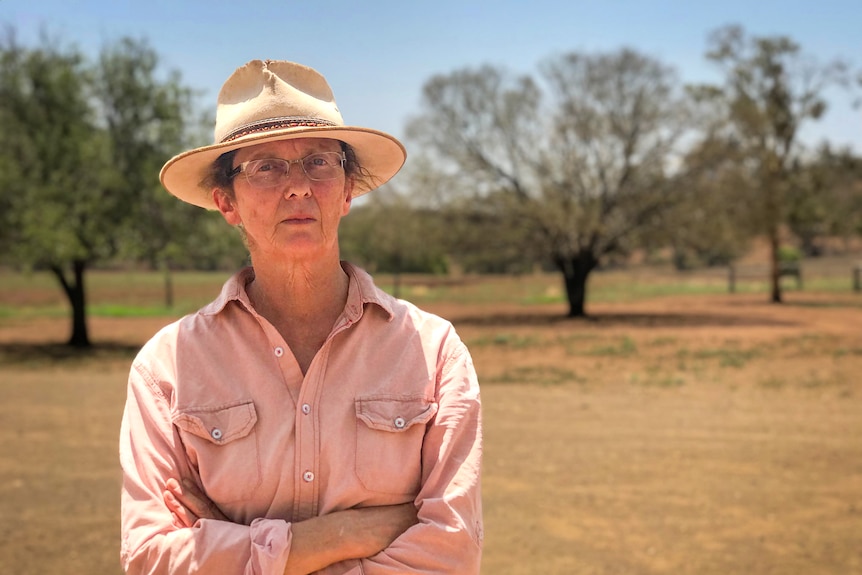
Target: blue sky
point(377, 55)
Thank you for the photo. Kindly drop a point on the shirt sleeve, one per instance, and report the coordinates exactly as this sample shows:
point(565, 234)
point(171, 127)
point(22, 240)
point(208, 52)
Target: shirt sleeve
point(150, 453)
point(448, 537)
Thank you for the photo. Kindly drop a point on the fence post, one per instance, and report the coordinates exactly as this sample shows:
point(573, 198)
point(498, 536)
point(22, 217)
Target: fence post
point(731, 278)
point(857, 278)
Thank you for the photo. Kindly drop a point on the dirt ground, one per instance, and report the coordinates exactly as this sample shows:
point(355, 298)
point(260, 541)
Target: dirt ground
point(696, 435)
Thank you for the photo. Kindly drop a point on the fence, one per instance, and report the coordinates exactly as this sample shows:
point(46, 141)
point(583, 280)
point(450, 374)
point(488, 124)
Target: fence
point(797, 270)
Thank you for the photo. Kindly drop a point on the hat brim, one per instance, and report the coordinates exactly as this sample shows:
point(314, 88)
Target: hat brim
point(380, 154)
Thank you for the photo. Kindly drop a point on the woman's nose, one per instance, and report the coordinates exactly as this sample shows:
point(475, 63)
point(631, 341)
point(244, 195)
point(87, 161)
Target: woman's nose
point(297, 183)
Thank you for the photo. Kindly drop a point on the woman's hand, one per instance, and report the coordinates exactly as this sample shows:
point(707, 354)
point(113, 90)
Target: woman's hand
point(380, 526)
point(187, 503)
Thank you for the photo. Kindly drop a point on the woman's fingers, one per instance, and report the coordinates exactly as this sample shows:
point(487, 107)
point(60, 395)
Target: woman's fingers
point(183, 517)
point(189, 503)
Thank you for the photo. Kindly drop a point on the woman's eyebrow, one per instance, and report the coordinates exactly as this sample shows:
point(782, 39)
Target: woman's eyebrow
point(273, 155)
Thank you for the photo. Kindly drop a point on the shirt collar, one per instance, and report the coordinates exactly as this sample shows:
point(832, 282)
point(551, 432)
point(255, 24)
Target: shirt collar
point(232, 290)
point(360, 291)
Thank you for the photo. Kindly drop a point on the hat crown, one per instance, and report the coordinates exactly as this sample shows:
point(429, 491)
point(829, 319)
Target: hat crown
point(266, 90)
point(272, 100)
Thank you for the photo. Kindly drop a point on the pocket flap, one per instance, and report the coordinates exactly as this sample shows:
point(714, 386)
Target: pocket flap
point(221, 424)
point(394, 413)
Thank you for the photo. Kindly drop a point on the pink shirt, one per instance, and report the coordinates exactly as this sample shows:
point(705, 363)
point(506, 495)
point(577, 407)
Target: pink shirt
point(388, 412)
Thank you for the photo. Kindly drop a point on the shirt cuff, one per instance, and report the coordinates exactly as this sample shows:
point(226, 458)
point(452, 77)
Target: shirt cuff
point(270, 546)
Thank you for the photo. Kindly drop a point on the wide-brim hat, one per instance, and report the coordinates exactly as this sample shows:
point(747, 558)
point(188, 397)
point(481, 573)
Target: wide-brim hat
point(264, 101)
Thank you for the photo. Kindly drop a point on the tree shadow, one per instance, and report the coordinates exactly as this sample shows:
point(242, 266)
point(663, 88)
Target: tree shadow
point(42, 354)
point(622, 319)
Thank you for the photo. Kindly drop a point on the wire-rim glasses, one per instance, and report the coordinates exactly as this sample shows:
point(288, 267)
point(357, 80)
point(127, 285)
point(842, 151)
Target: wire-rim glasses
point(271, 172)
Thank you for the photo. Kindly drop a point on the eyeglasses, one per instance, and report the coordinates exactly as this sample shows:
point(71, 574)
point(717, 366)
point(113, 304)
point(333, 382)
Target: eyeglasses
point(271, 172)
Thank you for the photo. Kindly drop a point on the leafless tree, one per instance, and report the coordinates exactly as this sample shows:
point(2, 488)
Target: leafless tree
point(580, 156)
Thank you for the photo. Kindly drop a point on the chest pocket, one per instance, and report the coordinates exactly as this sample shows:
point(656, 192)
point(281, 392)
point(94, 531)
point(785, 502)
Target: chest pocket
point(222, 444)
point(389, 434)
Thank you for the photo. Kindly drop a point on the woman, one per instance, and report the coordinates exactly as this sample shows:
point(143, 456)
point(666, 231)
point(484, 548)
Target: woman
point(304, 421)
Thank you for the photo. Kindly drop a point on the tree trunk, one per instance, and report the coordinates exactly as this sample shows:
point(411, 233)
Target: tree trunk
point(169, 286)
point(775, 275)
point(74, 291)
point(396, 276)
point(575, 272)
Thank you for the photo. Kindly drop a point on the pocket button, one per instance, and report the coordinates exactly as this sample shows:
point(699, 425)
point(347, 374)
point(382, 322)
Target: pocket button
point(400, 423)
point(216, 434)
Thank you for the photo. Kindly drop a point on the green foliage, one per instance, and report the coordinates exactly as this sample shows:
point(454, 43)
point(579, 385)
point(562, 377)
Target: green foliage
point(789, 254)
point(388, 235)
point(149, 119)
point(770, 91)
point(57, 209)
point(80, 152)
point(825, 199)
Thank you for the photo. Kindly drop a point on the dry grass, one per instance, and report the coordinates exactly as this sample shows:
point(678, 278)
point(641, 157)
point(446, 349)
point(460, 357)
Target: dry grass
point(681, 435)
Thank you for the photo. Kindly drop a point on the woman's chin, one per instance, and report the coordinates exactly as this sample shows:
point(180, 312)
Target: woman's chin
point(301, 249)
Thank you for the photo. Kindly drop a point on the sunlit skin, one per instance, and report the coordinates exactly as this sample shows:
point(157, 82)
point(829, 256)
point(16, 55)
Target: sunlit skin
point(292, 234)
point(298, 221)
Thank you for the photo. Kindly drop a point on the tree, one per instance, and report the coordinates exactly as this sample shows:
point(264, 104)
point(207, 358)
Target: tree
point(58, 213)
point(770, 90)
point(147, 120)
point(710, 224)
point(84, 144)
point(389, 234)
point(826, 199)
point(582, 165)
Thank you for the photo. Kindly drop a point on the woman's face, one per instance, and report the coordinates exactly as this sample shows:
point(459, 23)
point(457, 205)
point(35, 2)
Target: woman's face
point(298, 219)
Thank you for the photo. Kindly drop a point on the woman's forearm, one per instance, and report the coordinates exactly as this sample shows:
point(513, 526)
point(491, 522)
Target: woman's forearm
point(350, 534)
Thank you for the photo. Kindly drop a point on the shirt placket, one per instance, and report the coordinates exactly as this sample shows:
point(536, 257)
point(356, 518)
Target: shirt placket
point(308, 432)
point(308, 440)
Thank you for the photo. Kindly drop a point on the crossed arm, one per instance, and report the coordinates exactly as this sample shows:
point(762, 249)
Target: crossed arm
point(317, 542)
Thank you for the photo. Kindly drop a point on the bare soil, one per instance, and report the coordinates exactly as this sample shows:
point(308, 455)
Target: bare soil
point(696, 435)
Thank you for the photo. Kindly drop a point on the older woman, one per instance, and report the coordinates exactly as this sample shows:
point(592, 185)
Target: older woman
point(304, 421)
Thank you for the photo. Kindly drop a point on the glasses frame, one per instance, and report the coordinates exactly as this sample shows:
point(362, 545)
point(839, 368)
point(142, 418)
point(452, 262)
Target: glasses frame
point(301, 161)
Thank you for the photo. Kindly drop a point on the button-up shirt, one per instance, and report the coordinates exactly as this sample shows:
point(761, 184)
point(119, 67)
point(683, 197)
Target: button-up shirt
point(387, 412)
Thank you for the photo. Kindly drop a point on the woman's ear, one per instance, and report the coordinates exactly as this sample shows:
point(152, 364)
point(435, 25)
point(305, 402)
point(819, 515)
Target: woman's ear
point(226, 206)
point(348, 191)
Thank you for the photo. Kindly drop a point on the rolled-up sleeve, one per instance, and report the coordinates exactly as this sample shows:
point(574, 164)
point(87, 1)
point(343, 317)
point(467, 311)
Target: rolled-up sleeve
point(448, 537)
point(150, 452)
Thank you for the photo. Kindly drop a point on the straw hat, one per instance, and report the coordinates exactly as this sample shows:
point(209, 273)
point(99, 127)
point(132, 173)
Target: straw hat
point(271, 100)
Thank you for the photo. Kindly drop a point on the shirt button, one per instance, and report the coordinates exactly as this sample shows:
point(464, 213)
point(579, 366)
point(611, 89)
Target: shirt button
point(279, 351)
point(216, 434)
point(308, 476)
point(400, 423)
point(306, 409)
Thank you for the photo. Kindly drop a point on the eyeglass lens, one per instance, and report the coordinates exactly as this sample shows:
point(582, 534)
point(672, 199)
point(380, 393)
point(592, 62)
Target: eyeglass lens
point(270, 172)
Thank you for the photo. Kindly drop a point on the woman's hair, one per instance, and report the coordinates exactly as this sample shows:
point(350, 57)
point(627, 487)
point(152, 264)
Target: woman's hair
point(219, 175)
